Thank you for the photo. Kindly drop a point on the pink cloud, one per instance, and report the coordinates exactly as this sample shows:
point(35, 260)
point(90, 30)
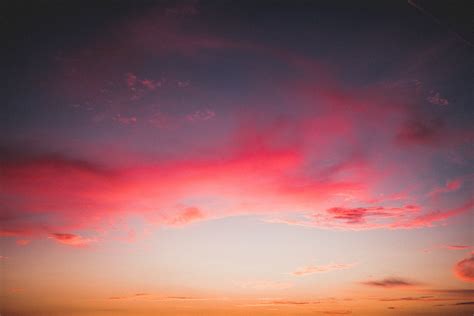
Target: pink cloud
point(126, 120)
point(464, 269)
point(456, 247)
point(436, 99)
point(71, 239)
point(313, 160)
point(201, 115)
point(22, 242)
point(311, 269)
point(450, 186)
point(187, 216)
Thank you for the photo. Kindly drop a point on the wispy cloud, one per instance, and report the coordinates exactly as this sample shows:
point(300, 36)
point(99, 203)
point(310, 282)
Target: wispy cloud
point(71, 239)
point(312, 269)
point(264, 285)
point(391, 282)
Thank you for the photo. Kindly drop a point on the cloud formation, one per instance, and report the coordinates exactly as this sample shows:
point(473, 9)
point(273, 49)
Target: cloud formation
point(71, 239)
point(464, 269)
point(392, 282)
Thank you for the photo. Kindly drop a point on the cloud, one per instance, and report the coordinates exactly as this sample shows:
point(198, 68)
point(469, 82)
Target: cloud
point(392, 282)
point(464, 269)
point(312, 158)
point(337, 312)
point(464, 303)
point(200, 115)
point(311, 269)
point(450, 186)
point(71, 239)
point(448, 247)
point(456, 247)
point(430, 218)
point(415, 298)
point(125, 120)
point(453, 292)
point(132, 296)
point(187, 216)
point(436, 99)
point(289, 302)
point(264, 285)
point(421, 131)
point(22, 242)
point(364, 218)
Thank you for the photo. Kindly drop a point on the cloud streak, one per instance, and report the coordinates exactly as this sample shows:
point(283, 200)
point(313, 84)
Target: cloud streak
point(312, 269)
point(392, 282)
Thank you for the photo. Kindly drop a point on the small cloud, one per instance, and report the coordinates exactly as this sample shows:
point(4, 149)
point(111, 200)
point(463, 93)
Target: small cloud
point(16, 289)
point(126, 120)
point(321, 268)
point(22, 242)
point(448, 247)
point(435, 98)
point(420, 131)
point(454, 292)
point(393, 282)
point(464, 303)
point(337, 312)
point(412, 298)
point(200, 115)
point(450, 186)
point(265, 285)
point(456, 247)
point(150, 84)
point(188, 8)
point(71, 239)
point(464, 269)
point(288, 302)
point(3, 257)
point(160, 120)
point(131, 80)
point(188, 215)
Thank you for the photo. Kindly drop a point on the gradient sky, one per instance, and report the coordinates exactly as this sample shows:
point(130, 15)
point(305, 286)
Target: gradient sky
point(235, 157)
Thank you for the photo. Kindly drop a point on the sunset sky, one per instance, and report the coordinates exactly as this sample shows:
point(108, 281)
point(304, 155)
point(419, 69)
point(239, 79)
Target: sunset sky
point(235, 158)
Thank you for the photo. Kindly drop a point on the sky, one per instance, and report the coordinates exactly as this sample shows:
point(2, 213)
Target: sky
point(236, 157)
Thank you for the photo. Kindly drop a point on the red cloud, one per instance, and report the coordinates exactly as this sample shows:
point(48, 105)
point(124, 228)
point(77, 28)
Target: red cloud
point(313, 159)
point(464, 269)
point(450, 186)
point(393, 282)
point(187, 216)
point(71, 239)
point(456, 247)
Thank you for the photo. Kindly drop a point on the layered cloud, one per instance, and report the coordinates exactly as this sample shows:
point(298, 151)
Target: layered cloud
point(193, 145)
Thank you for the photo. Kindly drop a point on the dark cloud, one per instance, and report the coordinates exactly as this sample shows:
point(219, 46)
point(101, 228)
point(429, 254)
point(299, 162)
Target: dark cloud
point(392, 282)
